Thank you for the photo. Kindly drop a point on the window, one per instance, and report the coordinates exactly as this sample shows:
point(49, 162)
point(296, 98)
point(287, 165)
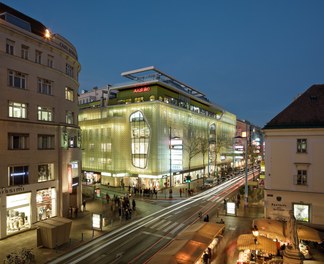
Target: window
point(38, 56)
point(301, 177)
point(18, 141)
point(301, 145)
point(69, 95)
point(10, 45)
point(69, 118)
point(302, 212)
point(45, 172)
point(73, 140)
point(17, 79)
point(18, 175)
point(45, 141)
point(17, 110)
point(45, 113)
point(24, 52)
point(140, 139)
point(44, 86)
point(50, 61)
point(69, 70)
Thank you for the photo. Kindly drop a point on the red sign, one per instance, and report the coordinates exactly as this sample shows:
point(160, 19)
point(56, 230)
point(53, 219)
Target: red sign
point(142, 89)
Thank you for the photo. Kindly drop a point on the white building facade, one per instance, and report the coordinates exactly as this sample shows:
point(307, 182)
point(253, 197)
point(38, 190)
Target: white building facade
point(39, 137)
point(294, 167)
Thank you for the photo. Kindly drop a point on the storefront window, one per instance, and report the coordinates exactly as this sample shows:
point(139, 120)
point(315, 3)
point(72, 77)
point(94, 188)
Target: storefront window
point(45, 172)
point(18, 212)
point(302, 212)
point(46, 203)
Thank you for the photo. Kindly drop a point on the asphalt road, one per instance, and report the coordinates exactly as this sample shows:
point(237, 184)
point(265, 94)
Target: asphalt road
point(139, 240)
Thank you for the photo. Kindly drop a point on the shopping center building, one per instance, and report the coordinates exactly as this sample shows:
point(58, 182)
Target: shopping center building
point(151, 130)
point(39, 138)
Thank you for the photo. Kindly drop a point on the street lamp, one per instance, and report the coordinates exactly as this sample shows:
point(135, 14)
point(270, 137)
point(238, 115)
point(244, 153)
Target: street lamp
point(170, 148)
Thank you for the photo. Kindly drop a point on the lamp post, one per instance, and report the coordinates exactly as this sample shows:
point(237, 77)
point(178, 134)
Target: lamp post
point(255, 233)
point(170, 149)
point(246, 192)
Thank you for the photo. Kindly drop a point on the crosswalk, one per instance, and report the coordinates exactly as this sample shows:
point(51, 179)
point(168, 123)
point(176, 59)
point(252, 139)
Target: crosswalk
point(165, 225)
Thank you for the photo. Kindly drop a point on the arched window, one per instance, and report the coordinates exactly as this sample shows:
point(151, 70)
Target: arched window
point(140, 139)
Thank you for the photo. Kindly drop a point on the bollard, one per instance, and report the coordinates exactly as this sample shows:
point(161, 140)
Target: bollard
point(82, 236)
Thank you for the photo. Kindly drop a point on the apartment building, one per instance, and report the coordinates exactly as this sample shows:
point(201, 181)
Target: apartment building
point(294, 166)
point(39, 137)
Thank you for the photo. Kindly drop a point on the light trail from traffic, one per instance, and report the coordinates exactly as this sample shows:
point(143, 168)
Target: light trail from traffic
point(214, 195)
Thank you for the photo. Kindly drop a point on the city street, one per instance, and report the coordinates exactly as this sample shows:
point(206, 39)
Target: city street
point(140, 239)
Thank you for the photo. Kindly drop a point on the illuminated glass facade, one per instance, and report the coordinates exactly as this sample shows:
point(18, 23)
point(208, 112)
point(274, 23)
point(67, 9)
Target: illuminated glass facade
point(143, 135)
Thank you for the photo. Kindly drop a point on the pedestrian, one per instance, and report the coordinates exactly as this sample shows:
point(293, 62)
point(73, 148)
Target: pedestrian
point(205, 258)
point(76, 211)
point(134, 204)
point(70, 211)
point(180, 192)
point(107, 198)
point(206, 218)
point(84, 205)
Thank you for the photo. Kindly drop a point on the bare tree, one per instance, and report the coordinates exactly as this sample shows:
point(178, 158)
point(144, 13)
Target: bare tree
point(192, 146)
point(203, 147)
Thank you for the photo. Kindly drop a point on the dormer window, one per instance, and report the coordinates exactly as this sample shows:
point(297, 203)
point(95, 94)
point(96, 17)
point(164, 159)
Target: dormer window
point(302, 145)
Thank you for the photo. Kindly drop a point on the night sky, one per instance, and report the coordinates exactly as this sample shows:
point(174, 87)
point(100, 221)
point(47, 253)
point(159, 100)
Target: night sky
point(251, 57)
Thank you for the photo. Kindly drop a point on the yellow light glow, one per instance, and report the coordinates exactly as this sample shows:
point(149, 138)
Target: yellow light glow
point(47, 34)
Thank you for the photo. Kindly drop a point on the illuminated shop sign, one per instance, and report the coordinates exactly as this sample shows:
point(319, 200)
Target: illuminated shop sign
point(97, 221)
point(142, 89)
point(230, 208)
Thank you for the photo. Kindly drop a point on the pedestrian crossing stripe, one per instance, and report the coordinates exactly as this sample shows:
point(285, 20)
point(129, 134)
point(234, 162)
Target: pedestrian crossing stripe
point(163, 225)
point(170, 227)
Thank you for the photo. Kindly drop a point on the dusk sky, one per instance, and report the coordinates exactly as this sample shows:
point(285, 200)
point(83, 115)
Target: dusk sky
point(251, 57)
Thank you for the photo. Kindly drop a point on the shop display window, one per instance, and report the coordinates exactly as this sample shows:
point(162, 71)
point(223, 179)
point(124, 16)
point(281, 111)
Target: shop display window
point(45, 172)
point(18, 212)
point(302, 212)
point(46, 203)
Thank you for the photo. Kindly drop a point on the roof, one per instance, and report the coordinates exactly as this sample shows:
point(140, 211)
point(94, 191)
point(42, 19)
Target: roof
point(306, 111)
point(17, 18)
point(151, 74)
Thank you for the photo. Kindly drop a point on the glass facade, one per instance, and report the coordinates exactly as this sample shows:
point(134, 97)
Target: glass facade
point(132, 141)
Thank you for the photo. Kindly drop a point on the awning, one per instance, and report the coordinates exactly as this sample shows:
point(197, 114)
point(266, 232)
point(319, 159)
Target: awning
point(202, 231)
point(190, 244)
point(270, 228)
point(308, 233)
point(180, 251)
point(275, 230)
point(247, 241)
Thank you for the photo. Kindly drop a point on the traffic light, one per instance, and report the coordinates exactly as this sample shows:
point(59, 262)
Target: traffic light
point(188, 178)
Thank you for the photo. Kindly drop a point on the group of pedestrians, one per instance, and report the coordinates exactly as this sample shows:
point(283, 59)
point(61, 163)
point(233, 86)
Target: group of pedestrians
point(124, 205)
